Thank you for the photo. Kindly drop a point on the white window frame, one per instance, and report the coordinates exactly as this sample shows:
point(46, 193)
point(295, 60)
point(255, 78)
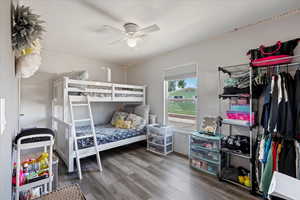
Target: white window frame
point(165, 100)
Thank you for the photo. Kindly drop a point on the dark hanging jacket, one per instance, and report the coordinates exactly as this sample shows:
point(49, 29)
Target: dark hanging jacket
point(266, 107)
point(281, 122)
point(290, 107)
point(274, 106)
point(297, 104)
point(287, 158)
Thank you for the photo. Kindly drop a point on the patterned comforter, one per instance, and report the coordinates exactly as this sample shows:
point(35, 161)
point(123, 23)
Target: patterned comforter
point(105, 134)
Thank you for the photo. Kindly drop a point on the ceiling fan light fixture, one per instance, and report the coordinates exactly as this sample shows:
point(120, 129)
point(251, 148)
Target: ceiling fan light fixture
point(131, 42)
point(132, 33)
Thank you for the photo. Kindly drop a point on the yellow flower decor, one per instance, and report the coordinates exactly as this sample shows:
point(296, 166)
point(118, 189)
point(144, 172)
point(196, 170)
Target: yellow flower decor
point(27, 51)
point(35, 47)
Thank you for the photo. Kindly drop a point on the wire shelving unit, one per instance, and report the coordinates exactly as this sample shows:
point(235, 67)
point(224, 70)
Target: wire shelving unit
point(253, 129)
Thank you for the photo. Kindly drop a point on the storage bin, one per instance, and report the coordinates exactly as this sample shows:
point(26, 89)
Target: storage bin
point(159, 130)
point(160, 149)
point(204, 154)
point(156, 148)
point(236, 122)
point(240, 108)
point(205, 143)
point(169, 148)
point(242, 101)
point(160, 139)
point(213, 168)
point(239, 101)
point(204, 166)
point(239, 115)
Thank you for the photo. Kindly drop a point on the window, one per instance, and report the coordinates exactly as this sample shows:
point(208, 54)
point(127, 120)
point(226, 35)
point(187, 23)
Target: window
point(181, 97)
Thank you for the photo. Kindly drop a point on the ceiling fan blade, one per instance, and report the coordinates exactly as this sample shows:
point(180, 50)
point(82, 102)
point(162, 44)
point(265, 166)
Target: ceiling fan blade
point(139, 35)
point(111, 28)
point(93, 6)
point(117, 41)
point(149, 29)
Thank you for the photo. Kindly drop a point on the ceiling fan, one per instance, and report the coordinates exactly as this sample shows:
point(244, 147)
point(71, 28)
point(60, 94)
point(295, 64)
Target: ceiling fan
point(132, 33)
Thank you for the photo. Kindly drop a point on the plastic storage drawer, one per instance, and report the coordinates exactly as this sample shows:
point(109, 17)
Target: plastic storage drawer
point(159, 130)
point(205, 143)
point(205, 154)
point(160, 139)
point(204, 166)
point(160, 149)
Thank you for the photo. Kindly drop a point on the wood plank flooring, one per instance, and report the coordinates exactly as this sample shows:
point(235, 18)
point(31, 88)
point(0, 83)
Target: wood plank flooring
point(132, 173)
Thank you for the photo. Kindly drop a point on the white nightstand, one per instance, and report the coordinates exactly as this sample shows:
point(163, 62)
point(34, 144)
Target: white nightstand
point(159, 139)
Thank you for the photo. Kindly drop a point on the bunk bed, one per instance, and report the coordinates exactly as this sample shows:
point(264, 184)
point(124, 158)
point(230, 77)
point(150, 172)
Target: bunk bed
point(108, 137)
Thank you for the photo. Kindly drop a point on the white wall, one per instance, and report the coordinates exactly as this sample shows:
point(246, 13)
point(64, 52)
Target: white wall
point(36, 91)
point(229, 49)
point(8, 90)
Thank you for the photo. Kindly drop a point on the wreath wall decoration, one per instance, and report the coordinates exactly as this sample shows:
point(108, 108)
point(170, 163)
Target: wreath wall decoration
point(27, 30)
point(27, 27)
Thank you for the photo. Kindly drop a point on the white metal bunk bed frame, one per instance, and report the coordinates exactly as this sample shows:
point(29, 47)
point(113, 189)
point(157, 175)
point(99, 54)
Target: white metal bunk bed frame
point(64, 143)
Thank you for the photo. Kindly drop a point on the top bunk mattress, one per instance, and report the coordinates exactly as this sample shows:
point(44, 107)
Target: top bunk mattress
point(105, 134)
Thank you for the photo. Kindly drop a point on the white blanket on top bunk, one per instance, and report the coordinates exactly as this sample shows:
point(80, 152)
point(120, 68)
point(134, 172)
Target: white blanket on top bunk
point(77, 75)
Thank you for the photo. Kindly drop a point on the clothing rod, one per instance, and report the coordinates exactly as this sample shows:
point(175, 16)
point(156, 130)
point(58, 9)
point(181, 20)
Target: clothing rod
point(262, 68)
point(245, 64)
point(238, 65)
point(281, 65)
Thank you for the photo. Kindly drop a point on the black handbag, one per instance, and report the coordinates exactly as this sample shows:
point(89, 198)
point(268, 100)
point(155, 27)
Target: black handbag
point(265, 55)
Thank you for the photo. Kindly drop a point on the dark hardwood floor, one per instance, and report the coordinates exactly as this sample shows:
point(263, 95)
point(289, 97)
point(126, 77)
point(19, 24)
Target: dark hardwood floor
point(132, 173)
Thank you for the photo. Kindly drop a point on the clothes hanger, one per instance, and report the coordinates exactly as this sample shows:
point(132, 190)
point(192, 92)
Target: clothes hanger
point(273, 70)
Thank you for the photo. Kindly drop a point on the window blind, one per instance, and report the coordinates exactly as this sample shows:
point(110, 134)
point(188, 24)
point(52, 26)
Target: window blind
point(181, 72)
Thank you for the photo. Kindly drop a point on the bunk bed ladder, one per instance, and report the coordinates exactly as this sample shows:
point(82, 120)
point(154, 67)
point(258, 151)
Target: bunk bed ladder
point(76, 138)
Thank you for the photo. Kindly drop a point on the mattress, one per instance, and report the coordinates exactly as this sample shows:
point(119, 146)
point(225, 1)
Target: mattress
point(105, 134)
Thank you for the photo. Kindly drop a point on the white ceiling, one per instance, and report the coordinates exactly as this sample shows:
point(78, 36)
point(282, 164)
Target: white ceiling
point(72, 24)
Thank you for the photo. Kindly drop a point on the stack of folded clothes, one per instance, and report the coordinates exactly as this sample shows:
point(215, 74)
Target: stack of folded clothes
point(239, 114)
point(237, 84)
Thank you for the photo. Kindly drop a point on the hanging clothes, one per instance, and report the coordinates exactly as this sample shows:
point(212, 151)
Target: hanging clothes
point(297, 149)
point(287, 158)
point(279, 149)
point(274, 105)
point(261, 150)
point(297, 104)
point(257, 162)
point(267, 174)
point(282, 95)
point(266, 108)
point(289, 132)
point(281, 123)
point(267, 147)
point(277, 155)
point(274, 155)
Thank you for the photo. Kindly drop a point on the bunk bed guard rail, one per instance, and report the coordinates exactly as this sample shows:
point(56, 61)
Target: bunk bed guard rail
point(98, 91)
